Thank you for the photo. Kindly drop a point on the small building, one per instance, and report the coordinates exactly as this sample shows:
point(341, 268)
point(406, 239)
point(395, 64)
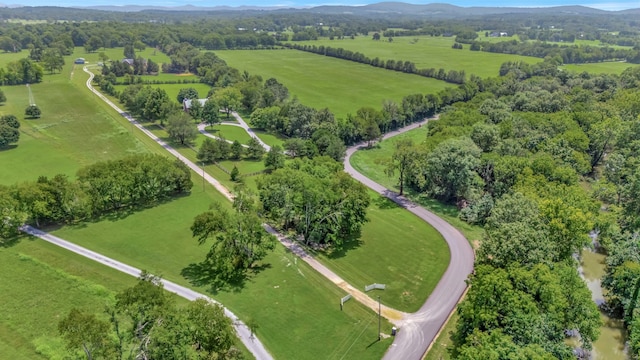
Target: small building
point(128, 61)
point(186, 103)
point(79, 61)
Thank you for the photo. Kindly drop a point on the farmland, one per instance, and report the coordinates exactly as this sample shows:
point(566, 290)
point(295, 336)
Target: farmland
point(324, 82)
point(427, 52)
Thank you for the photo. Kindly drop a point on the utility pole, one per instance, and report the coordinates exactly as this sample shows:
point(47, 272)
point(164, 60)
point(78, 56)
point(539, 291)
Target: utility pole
point(379, 318)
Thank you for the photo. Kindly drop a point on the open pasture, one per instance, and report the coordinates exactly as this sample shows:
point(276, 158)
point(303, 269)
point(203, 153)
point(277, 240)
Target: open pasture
point(76, 128)
point(293, 305)
point(324, 82)
point(607, 67)
point(409, 255)
point(40, 284)
point(427, 52)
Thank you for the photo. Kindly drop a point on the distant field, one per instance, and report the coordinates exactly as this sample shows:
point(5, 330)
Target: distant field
point(320, 81)
point(609, 67)
point(427, 52)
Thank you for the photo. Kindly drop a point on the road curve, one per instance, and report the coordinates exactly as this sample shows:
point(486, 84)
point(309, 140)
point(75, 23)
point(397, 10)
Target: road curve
point(418, 330)
point(251, 342)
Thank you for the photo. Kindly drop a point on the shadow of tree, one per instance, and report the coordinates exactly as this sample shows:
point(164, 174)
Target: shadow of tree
point(202, 275)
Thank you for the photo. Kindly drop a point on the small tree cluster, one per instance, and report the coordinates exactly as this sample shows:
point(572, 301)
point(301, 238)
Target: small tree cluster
point(9, 133)
point(145, 323)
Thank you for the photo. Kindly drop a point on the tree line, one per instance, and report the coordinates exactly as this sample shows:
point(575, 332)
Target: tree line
point(570, 54)
point(99, 189)
point(514, 159)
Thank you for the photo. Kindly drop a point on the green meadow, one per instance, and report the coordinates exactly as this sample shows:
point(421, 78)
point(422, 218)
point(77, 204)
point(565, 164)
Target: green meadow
point(76, 129)
point(324, 82)
point(410, 256)
point(40, 284)
point(608, 67)
point(293, 305)
point(427, 52)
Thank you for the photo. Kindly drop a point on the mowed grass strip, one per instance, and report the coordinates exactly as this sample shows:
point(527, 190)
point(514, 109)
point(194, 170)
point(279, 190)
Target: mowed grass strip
point(325, 82)
point(397, 249)
point(297, 309)
point(366, 162)
point(427, 52)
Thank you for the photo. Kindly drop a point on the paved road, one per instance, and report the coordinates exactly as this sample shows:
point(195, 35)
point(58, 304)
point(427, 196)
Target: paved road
point(251, 342)
point(418, 330)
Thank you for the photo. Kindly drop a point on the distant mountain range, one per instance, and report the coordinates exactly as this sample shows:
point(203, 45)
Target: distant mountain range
point(400, 8)
point(436, 10)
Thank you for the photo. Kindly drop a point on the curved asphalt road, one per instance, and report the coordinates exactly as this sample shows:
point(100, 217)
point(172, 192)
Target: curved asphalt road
point(418, 330)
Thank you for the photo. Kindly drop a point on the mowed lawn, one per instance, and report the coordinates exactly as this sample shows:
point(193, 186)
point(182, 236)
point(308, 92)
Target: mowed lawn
point(397, 249)
point(297, 309)
point(367, 162)
point(427, 52)
point(76, 128)
point(324, 82)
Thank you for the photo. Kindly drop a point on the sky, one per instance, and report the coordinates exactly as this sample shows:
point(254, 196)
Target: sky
point(598, 4)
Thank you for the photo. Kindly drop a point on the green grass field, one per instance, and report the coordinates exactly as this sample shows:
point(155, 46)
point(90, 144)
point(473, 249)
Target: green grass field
point(40, 284)
point(388, 240)
point(609, 67)
point(229, 132)
point(293, 305)
point(365, 162)
point(269, 139)
point(427, 52)
point(324, 82)
point(75, 129)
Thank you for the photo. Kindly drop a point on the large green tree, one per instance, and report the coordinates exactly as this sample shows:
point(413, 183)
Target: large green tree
point(449, 171)
point(239, 241)
point(401, 161)
point(83, 330)
point(317, 200)
point(181, 129)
